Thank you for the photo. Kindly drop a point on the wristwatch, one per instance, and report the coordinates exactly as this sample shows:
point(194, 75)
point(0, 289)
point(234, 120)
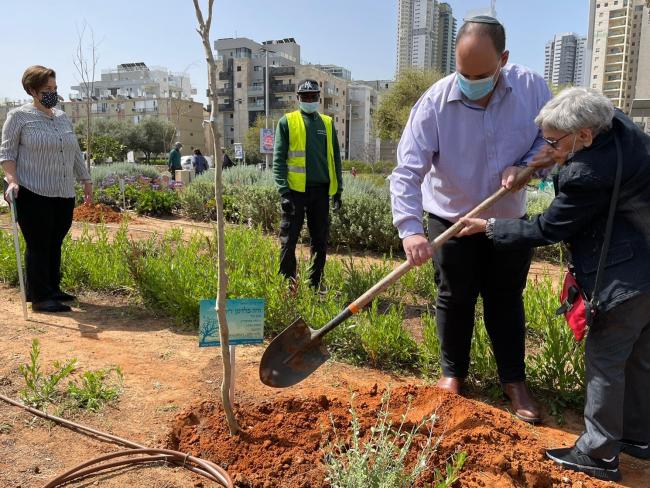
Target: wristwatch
point(489, 228)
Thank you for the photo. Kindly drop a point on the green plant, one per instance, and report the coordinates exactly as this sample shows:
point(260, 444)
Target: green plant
point(95, 261)
point(429, 348)
point(41, 389)
point(558, 366)
point(387, 343)
point(380, 461)
point(452, 471)
point(96, 388)
point(156, 202)
point(118, 170)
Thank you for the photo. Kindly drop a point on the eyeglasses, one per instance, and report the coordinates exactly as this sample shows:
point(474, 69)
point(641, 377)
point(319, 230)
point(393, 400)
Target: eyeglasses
point(553, 142)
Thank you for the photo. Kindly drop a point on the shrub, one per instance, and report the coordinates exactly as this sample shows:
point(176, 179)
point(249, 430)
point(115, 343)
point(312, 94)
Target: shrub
point(387, 343)
point(95, 261)
point(429, 348)
point(156, 202)
point(119, 170)
point(381, 460)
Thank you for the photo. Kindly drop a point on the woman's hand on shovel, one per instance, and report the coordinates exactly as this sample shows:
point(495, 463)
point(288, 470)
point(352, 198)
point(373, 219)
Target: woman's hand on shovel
point(418, 250)
point(472, 226)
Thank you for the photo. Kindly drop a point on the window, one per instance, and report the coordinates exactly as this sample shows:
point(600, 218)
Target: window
point(232, 129)
point(232, 141)
point(257, 68)
point(238, 68)
point(191, 134)
point(231, 116)
point(238, 84)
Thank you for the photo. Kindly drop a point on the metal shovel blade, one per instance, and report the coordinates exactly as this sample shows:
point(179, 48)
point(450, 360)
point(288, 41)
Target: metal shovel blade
point(292, 356)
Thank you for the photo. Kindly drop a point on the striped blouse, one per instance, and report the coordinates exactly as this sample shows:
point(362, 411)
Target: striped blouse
point(45, 149)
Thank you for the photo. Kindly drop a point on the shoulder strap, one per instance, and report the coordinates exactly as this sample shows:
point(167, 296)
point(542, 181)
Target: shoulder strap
point(595, 303)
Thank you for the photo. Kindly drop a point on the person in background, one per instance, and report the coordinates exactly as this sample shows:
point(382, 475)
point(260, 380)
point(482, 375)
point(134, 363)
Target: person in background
point(580, 127)
point(174, 162)
point(227, 162)
point(470, 133)
point(42, 160)
point(307, 172)
point(199, 163)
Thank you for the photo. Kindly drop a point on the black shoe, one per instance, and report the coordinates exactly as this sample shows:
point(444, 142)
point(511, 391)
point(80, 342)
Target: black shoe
point(574, 459)
point(63, 297)
point(50, 306)
point(639, 450)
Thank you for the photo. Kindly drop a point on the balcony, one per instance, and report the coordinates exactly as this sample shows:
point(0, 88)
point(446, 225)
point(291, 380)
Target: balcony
point(331, 108)
point(254, 90)
point(225, 75)
point(225, 107)
point(283, 88)
point(224, 92)
point(275, 104)
point(256, 106)
point(282, 71)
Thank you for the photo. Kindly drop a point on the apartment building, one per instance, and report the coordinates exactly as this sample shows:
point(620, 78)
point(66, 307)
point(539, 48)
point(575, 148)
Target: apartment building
point(564, 60)
point(242, 80)
point(618, 29)
point(426, 35)
point(132, 91)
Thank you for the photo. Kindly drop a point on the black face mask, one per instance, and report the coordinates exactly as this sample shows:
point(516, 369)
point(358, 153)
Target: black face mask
point(49, 99)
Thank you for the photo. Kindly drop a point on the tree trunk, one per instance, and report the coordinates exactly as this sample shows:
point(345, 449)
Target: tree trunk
point(204, 32)
point(88, 134)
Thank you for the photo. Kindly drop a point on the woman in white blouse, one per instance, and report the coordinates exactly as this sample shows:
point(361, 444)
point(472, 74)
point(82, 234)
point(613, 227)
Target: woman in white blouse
point(42, 161)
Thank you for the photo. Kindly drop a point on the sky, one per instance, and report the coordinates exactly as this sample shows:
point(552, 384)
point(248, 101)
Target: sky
point(357, 34)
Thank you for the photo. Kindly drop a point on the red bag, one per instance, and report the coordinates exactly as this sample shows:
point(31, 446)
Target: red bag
point(577, 310)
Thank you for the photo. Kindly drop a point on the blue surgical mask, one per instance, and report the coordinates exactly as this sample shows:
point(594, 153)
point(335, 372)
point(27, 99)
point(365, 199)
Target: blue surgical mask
point(476, 89)
point(308, 107)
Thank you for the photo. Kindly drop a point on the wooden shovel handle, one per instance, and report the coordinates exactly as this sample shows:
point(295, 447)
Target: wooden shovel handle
point(403, 268)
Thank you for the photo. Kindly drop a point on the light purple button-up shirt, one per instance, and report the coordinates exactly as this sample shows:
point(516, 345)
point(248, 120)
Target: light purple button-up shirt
point(452, 152)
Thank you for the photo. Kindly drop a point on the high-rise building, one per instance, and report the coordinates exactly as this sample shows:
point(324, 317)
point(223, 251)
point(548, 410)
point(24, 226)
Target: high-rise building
point(241, 86)
point(564, 60)
point(446, 48)
point(616, 33)
point(426, 35)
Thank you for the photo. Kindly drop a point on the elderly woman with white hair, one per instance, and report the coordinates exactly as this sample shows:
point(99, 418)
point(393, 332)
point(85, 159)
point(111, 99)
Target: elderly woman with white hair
point(583, 131)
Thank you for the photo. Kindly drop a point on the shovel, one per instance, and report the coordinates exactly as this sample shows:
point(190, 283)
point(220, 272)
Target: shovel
point(299, 350)
point(11, 199)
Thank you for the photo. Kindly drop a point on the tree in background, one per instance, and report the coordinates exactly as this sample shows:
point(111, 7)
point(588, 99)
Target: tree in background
point(395, 106)
point(85, 61)
point(252, 142)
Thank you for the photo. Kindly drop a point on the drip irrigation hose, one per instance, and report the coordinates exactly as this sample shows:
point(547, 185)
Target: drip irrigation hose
point(139, 454)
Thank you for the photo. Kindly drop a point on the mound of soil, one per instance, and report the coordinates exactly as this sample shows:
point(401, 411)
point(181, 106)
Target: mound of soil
point(96, 213)
point(283, 443)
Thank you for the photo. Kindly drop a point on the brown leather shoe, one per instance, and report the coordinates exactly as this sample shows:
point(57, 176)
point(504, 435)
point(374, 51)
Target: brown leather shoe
point(523, 403)
point(452, 385)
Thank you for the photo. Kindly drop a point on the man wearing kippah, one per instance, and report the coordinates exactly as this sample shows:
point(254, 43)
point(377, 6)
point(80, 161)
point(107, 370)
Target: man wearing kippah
point(470, 133)
point(307, 172)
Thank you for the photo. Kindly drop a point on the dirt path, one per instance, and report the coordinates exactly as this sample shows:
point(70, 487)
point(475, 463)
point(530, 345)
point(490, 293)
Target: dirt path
point(167, 378)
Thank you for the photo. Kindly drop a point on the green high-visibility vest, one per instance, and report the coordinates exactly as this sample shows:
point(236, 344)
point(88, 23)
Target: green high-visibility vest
point(296, 160)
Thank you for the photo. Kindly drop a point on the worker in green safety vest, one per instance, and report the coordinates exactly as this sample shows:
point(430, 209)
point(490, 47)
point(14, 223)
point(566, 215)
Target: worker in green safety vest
point(307, 172)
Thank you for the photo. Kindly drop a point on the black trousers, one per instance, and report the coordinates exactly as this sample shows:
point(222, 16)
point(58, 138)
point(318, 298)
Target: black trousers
point(617, 357)
point(314, 203)
point(44, 222)
point(465, 268)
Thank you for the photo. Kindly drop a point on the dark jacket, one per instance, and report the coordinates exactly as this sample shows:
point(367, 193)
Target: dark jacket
point(199, 163)
point(578, 215)
point(174, 161)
